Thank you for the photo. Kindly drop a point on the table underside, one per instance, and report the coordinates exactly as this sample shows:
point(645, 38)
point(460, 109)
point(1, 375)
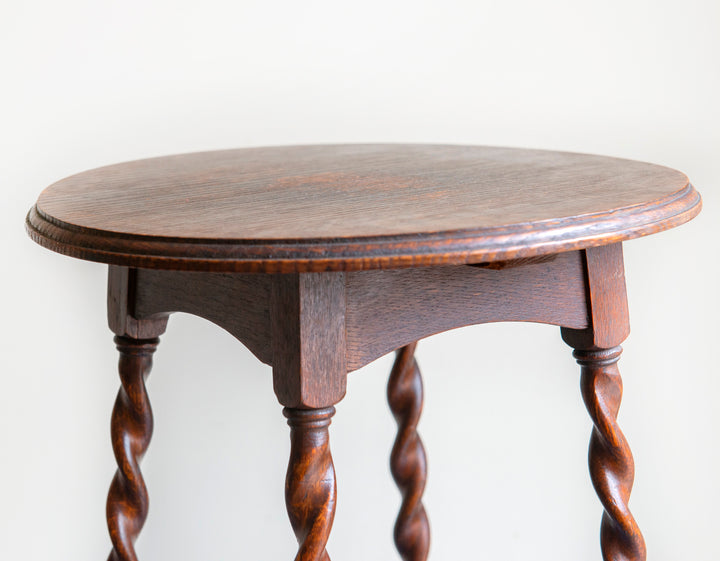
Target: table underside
point(314, 328)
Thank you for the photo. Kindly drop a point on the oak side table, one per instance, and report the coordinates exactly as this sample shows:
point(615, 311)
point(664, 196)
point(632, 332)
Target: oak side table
point(321, 259)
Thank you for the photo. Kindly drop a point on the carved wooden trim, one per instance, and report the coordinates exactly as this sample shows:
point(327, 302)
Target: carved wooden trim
point(597, 351)
point(350, 240)
point(310, 488)
point(407, 460)
point(381, 310)
point(456, 245)
point(239, 303)
point(611, 463)
point(131, 430)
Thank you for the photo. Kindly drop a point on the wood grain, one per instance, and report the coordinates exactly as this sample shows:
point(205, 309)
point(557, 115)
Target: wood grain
point(408, 463)
point(612, 468)
point(310, 488)
point(366, 313)
point(131, 429)
point(320, 208)
point(389, 309)
point(606, 301)
point(351, 239)
point(122, 300)
point(597, 350)
point(239, 303)
point(307, 320)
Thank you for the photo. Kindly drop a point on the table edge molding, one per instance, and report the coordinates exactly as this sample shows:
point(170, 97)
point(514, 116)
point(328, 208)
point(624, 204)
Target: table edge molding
point(353, 254)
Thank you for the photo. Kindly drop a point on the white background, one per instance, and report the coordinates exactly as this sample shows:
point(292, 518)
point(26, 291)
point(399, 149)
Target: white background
point(91, 83)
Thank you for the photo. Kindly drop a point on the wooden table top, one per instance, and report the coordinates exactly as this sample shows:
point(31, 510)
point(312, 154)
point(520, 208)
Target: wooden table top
point(353, 207)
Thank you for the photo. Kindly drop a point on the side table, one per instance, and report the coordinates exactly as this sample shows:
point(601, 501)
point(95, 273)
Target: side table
point(321, 259)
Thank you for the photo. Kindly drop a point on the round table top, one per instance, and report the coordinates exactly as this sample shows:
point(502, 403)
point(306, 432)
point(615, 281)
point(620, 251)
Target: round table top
point(354, 207)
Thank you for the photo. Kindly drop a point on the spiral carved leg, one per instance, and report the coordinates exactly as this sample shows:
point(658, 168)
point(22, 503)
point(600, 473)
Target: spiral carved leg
point(407, 460)
point(310, 489)
point(611, 463)
point(131, 429)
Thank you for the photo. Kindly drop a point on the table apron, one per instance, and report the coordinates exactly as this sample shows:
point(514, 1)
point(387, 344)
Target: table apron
point(382, 310)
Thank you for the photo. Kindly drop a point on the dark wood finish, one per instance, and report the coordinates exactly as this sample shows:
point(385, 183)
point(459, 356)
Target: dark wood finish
point(314, 328)
point(310, 488)
point(122, 299)
point(612, 469)
point(308, 339)
point(351, 239)
point(509, 264)
point(597, 350)
point(131, 424)
point(407, 460)
point(606, 300)
point(239, 303)
point(384, 310)
point(320, 208)
point(131, 429)
point(389, 309)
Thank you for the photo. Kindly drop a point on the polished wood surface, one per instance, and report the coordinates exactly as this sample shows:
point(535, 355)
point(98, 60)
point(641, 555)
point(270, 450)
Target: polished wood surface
point(131, 430)
point(310, 488)
point(382, 310)
point(358, 233)
point(612, 469)
point(597, 350)
point(408, 464)
point(307, 322)
point(310, 327)
point(131, 424)
point(355, 207)
point(388, 309)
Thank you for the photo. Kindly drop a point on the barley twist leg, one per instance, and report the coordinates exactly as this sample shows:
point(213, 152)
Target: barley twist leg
point(131, 429)
point(407, 460)
point(310, 488)
point(611, 463)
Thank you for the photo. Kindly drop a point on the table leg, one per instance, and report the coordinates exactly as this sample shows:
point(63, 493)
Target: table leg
point(612, 469)
point(597, 350)
point(307, 314)
point(131, 429)
point(132, 422)
point(407, 460)
point(310, 488)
